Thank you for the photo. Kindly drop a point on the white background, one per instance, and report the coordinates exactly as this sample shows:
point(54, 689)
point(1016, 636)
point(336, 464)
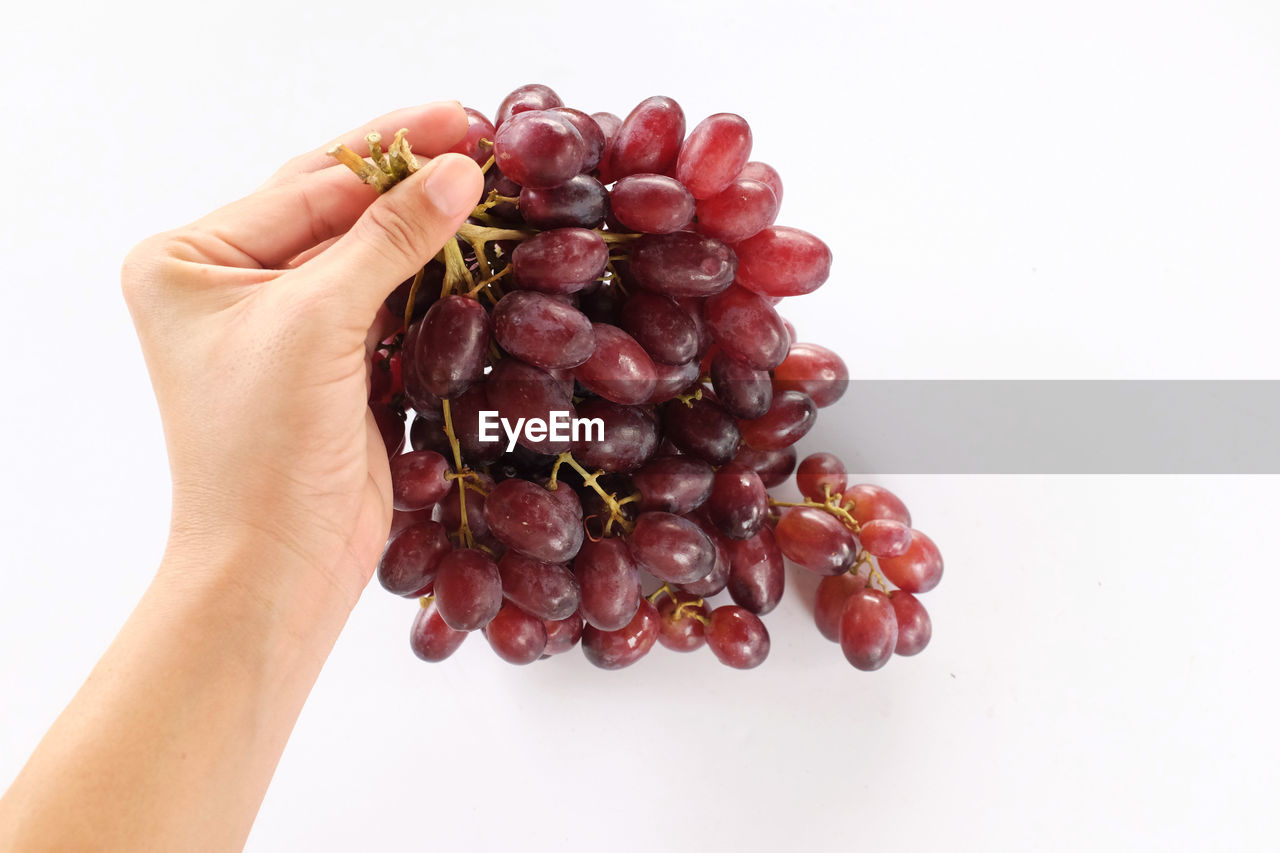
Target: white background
point(1010, 191)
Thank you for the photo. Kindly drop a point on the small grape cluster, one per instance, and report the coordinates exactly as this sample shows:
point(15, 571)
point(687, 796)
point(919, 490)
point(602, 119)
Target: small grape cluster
point(621, 272)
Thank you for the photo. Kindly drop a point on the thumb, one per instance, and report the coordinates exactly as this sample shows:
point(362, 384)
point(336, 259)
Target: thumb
point(402, 230)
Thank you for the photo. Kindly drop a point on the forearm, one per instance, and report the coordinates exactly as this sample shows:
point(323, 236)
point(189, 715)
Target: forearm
point(172, 740)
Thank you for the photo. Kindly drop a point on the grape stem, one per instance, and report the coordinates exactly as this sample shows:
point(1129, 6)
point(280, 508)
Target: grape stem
point(413, 294)
point(592, 480)
point(464, 529)
point(831, 505)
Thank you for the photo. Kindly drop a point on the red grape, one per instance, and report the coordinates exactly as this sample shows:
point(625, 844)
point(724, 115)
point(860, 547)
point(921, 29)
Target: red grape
point(582, 201)
point(531, 96)
point(914, 626)
point(648, 139)
point(813, 370)
point(408, 565)
point(817, 540)
point(671, 548)
point(651, 204)
point(418, 479)
point(609, 583)
point(547, 590)
point(673, 380)
point(713, 155)
point(630, 437)
point(737, 637)
point(519, 391)
point(682, 630)
point(702, 428)
point(683, 263)
point(782, 261)
point(828, 606)
point(528, 518)
point(747, 328)
point(625, 646)
point(744, 391)
point(468, 589)
point(478, 127)
point(790, 416)
point(883, 537)
point(773, 466)
point(866, 502)
point(868, 629)
point(591, 133)
point(431, 638)
point(757, 574)
point(821, 474)
point(516, 636)
point(738, 503)
point(918, 569)
point(661, 326)
point(542, 330)
point(451, 347)
point(563, 634)
point(562, 260)
point(765, 174)
point(739, 211)
point(619, 369)
point(539, 149)
point(675, 484)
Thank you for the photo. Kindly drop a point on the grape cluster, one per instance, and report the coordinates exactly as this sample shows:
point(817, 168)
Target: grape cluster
point(622, 272)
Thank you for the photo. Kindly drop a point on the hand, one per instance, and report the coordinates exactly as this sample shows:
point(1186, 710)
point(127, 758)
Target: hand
point(257, 323)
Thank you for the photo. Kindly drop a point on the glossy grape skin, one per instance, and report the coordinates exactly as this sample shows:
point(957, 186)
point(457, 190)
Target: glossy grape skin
point(738, 503)
point(390, 422)
point(563, 634)
point(682, 264)
point(868, 629)
point(661, 326)
point(619, 369)
point(418, 479)
point(747, 328)
point(828, 606)
point(817, 540)
point(741, 210)
point(675, 484)
point(683, 632)
point(703, 429)
point(562, 260)
point(431, 638)
point(538, 149)
point(546, 590)
point(773, 466)
point(713, 155)
point(820, 474)
point(411, 558)
point(692, 306)
point(542, 330)
point(915, 628)
point(468, 589)
point(791, 415)
point(919, 569)
point(495, 181)
point(516, 636)
point(521, 391)
point(580, 202)
point(648, 140)
point(451, 514)
point(528, 519)
point(737, 637)
point(765, 174)
point(651, 204)
point(757, 573)
point(451, 348)
point(465, 412)
point(478, 127)
point(813, 370)
point(718, 578)
point(531, 96)
point(625, 646)
point(883, 537)
point(671, 548)
point(744, 391)
point(609, 582)
point(609, 125)
point(630, 437)
point(673, 380)
point(866, 502)
point(591, 133)
point(782, 261)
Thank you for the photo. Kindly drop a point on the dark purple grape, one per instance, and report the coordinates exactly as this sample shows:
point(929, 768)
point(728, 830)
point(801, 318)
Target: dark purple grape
point(542, 330)
point(431, 638)
point(820, 475)
point(682, 264)
point(451, 348)
point(581, 202)
point(547, 590)
point(868, 629)
point(468, 589)
point(673, 380)
point(529, 519)
point(408, 565)
point(495, 181)
point(516, 636)
point(744, 391)
point(562, 260)
point(661, 326)
point(739, 503)
point(671, 548)
point(737, 637)
point(625, 646)
point(716, 580)
point(788, 419)
point(651, 204)
point(680, 622)
point(418, 479)
point(428, 293)
point(773, 466)
point(629, 437)
point(478, 127)
point(675, 484)
point(701, 428)
point(609, 583)
point(602, 302)
point(817, 540)
point(563, 634)
point(915, 628)
point(531, 96)
point(713, 155)
point(591, 133)
point(465, 412)
point(648, 139)
point(619, 369)
point(757, 573)
point(739, 211)
point(539, 149)
point(747, 328)
point(451, 514)
point(522, 392)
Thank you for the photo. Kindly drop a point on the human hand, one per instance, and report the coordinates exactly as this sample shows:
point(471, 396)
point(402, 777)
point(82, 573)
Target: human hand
point(257, 324)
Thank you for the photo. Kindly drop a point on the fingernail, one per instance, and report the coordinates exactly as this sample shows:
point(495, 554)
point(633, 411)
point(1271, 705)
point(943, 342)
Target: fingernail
point(450, 187)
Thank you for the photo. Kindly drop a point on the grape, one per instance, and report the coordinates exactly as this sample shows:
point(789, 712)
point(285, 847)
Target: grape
point(914, 626)
point(401, 520)
point(919, 569)
point(563, 634)
point(542, 330)
point(495, 181)
point(821, 474)
point(468, 589)
point(562, 260)
point(651, 204)
point(671, 548)
point(715, 152)
point(546, 590)
point(747, 328)
point(868, 629)
point(408, 565)
point(386, 376)
point(450, 349)
point(591, 133)
point(531, 96)
point(609, 583)
point(683, 263)
point(744, 391)
point(390, 423)
point(431, 638)
point(630, 437)
point(702, 428)
point(673, 380)
point(625, 646)
point(765, 174)
point(662, 327)
point(692, 306)
point(478, 127)
point(828, 606)
point(601, 301)
point(782, 261)
point(418, 479)
point(466, 411)
point(648, 139)
point(675, 484)
point(428, 292)
point(738, 503)
point(718, 578)
point(883, 537)
point(817, 540)
point(866, 503)
point(739, 211)
point(608, 124)
point(813, 370)
point(773, 466)
point(529, 519)
point(791, 415)
point(737, 637)
point(567, 497)
point(521, 391)
point(619, 369)
point(682, 630)
point(451, 516)
point(757, 574)
point(516, 636)
point(539, 149)
point(580, 202)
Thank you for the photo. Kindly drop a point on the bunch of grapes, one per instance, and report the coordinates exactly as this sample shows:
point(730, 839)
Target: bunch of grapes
point(620, 273)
